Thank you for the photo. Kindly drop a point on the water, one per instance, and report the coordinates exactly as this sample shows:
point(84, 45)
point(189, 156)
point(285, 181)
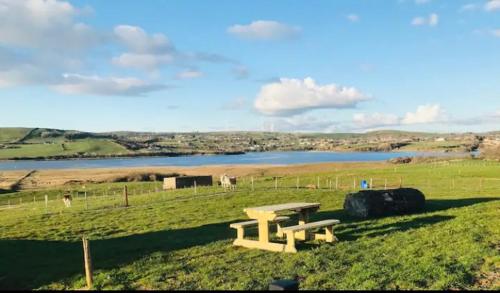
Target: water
point(279, 158)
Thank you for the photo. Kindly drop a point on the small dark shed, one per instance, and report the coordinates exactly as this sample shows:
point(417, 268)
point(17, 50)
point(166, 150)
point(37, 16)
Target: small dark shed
point(377, 203)
point(186, 181)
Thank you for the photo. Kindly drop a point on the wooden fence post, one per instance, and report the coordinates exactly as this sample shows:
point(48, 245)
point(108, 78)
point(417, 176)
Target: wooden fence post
point(195, 187)
point(252, 184)
point(86, 202)
point(276, 182)
point(125, 193)
point(336, 182)
point(318, 182)
point(385, 183)
point(400, 181)
point(88, 262)
point(298, 182)
point(371, 183)
point(46, 202)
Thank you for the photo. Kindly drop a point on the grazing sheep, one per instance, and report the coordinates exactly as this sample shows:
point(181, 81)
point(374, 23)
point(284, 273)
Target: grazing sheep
point(228, 182)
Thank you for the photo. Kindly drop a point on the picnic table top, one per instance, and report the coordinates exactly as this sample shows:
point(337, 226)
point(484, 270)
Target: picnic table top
point(283, 207)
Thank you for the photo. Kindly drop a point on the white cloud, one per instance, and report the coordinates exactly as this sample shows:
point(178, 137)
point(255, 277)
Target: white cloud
point(292, 96)
point(147, 52)
point(424, 114)
point(189, 74)
point(375, 120)
point(76, 84)
point(492, 5)
point(138, 41)
point(265, 30)
point(353, 17)
point(431, 20)
point(468, 7)
point(48, 24)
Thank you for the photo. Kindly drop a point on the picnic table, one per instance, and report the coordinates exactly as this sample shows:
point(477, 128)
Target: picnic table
point(265, 215)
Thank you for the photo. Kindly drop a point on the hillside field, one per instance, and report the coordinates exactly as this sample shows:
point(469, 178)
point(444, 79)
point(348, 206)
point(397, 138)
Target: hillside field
point(181, 239)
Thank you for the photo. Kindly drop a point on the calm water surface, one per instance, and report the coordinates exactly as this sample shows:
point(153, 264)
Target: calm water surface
point(280, 158)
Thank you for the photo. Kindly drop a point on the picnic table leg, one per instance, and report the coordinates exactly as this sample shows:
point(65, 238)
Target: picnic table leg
point(329, 237)
point(279, 231)
point(290, 242)
point(263, 231)
point(240, 233)
point(303, 219)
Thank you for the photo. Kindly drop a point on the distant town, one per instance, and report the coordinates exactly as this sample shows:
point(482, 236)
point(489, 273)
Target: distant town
point(42, 143)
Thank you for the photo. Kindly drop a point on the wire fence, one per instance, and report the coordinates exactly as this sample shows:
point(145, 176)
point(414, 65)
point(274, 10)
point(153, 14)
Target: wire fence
point(114, 196)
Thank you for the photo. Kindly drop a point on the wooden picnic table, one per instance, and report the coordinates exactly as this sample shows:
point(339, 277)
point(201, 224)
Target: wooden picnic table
point(266, 214)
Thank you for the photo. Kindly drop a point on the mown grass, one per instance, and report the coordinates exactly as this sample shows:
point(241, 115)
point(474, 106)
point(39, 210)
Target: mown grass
point(182, 240)
point(61, 148)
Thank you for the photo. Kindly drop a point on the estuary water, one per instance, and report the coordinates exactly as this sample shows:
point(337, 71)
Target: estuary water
point(277, 158)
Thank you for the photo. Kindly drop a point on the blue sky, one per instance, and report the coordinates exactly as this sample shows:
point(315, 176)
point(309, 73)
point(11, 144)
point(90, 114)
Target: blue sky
point(322, 66)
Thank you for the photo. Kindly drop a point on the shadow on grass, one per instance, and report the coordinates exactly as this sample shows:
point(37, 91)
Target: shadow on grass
point(27, 264)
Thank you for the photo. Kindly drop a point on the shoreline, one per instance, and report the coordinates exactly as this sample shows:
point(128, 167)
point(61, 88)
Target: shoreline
point(192, 154)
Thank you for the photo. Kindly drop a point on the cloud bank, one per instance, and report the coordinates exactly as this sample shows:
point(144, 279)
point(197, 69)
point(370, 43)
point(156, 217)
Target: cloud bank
point(293, 96)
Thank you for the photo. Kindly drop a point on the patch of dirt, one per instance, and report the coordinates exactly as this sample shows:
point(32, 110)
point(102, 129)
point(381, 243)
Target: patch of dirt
point(52, 178)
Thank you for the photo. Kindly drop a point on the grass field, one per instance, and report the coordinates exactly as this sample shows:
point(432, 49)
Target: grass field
point(12, 134)
point(182, 240)
point(91, 146)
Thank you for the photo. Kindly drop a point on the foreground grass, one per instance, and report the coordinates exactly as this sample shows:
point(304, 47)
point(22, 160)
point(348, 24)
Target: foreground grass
point(182, 240)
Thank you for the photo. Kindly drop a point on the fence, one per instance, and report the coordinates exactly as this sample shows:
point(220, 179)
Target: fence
point(112, 196)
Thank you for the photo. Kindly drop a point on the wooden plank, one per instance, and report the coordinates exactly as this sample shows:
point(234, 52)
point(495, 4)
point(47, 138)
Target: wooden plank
point(283, 207)
point(255, 222)
point(311, 225)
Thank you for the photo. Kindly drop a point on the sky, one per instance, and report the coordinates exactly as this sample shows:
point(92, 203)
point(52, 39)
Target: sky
point(225, 65)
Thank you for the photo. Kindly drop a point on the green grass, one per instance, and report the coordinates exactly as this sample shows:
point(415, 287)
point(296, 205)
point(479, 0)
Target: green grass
point(182, 240)
point(8, 134)
point(61, 148)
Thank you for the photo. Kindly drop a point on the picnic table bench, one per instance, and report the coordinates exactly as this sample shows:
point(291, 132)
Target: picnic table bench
point(264, 215)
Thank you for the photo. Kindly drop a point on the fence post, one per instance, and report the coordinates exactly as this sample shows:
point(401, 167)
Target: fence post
point(252, 184)
point(385, 183)
point(88, 262)
point(46, 202)
point(354, 184)
point(336, 182)
point(195, 187)
point(371, 183)
point(125, 193)
point(318, 181)
point(276, 182)
point(400, 181)
point(298, 182)
point(86, 202)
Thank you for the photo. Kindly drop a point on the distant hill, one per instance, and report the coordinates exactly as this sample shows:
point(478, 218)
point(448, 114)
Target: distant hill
point(46, 143)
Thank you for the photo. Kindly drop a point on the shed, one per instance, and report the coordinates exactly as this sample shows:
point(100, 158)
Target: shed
point(186, 181)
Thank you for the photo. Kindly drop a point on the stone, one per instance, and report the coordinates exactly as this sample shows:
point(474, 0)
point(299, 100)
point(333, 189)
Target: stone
point(379, 203)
